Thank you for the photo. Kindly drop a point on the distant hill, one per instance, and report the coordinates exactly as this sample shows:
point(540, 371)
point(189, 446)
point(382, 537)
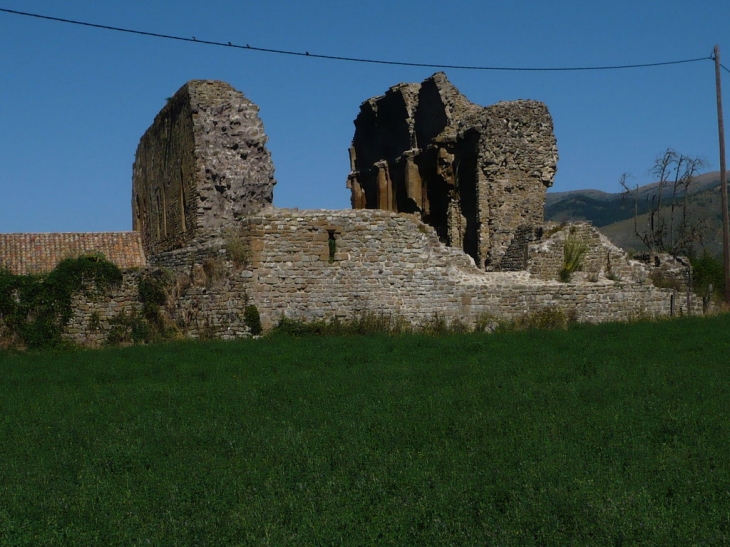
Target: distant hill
point(614, 213)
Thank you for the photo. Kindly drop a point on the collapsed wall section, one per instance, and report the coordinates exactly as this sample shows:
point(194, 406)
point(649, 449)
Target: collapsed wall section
point(201, 166)
point(478, 175)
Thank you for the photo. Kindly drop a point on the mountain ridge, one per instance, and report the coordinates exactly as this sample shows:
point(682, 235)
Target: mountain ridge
point(613, 213)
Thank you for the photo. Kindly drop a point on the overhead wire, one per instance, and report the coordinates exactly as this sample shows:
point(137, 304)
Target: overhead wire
point(195, 40)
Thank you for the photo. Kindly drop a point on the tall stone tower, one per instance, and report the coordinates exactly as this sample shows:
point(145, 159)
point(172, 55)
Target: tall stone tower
point(477, 174)
point(201, 166)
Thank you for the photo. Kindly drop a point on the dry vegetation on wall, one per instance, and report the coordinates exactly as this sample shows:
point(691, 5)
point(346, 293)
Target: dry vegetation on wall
point(238, 246)
point(546, 318)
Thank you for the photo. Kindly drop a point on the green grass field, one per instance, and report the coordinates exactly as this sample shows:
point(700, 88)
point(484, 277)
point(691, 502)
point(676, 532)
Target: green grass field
point(607, 435)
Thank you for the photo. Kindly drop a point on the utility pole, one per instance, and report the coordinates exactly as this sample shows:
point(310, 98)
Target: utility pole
point(723, 180)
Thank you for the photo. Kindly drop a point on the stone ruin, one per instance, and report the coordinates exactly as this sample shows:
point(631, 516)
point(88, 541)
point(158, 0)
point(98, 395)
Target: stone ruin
point(477, 174)
point(428, 168)
point(201, 166)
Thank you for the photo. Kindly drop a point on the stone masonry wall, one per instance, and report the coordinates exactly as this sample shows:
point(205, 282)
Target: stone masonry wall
point(314, 265)
point(602, 260)
point(383, 262)
point(477, 174)
point(90, 323)
point(205, 301)
point(202, 165)
point(518, 160)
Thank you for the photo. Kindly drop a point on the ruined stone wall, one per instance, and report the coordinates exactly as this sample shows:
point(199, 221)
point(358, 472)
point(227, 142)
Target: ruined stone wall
point(429, 166)
point(201, 165)
point(602, 260)
point(92, 315)
point(206, 300)
point(518, 161)
point(313, 265)
point(477, 175)
point(382, 262)
point(666, 270)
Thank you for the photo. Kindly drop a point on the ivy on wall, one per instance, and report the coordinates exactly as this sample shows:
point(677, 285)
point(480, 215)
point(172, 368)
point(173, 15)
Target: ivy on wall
point(35, 308)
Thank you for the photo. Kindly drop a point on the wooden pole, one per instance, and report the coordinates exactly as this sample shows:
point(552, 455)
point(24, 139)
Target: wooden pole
point(723, 180)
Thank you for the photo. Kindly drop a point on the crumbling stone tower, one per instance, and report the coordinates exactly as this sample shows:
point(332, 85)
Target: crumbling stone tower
point(201, 166)
point(477, 174)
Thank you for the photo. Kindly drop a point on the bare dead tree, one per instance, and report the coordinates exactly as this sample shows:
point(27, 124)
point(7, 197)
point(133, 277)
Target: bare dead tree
point(669, 225)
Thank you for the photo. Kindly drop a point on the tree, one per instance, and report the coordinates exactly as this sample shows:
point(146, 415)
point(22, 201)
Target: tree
point(670, 226)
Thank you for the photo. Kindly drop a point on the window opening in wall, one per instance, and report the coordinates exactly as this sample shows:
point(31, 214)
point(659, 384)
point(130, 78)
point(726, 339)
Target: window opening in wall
point(332, 243)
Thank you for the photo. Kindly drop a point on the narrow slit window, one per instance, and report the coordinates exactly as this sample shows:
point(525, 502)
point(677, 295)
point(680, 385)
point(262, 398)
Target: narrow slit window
point(332, 244)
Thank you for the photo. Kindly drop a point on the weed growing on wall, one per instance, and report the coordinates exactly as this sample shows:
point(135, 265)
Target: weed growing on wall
point(486, 322)
point(554, 230)
point(574, 251)
point(129, 328)
point(547, 318)
point(435, 325)
point(215, 271)
point(238, 247)
point(35, 308)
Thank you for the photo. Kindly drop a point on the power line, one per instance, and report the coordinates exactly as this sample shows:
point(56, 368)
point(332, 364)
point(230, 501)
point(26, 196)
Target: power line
point(342, 58)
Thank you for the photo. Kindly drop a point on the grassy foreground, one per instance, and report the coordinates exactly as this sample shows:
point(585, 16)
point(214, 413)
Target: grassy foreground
point(609, 435)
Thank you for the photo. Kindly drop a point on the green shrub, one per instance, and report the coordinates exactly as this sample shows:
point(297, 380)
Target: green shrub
point(36, 308)
point(149, 324)
point(252, 319)
point(153, 294)
point(708, 270)
point(297, 327)
point(152, 288)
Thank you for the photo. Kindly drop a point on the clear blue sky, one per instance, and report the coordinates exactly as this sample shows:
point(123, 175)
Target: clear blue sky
point(75, 100)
